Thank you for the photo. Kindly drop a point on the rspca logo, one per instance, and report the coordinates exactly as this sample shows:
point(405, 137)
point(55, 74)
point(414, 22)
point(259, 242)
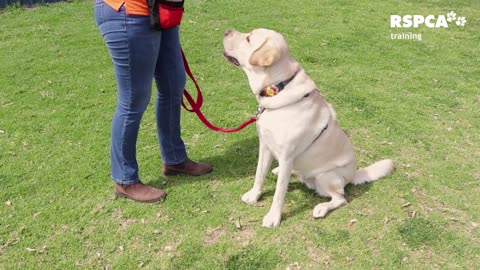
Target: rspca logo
point(430, 21)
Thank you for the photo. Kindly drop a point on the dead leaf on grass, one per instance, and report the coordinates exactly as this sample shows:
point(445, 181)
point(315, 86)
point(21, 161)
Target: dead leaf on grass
point(8, 244)
point(352, 222)
point(386, 220)
point(407, 204)
point(454, 219)
point(238, 225)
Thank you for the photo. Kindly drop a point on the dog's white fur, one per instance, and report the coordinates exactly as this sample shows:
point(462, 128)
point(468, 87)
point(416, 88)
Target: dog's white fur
point(298, 127)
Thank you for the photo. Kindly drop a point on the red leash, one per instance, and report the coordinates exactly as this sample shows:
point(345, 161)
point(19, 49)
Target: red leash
point(196, 105)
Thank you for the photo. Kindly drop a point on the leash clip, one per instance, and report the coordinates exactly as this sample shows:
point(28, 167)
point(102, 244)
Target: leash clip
point(260, 110)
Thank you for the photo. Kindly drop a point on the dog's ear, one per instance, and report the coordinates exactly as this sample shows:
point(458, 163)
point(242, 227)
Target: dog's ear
point(265, 55)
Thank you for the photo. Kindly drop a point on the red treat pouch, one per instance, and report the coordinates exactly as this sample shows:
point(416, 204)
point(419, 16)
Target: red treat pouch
point(165, 14)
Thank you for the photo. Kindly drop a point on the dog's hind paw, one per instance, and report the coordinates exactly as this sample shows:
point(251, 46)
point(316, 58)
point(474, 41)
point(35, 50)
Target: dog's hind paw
point(276, 170)
point(251, 197)
point(272, 220)
point(320, 211)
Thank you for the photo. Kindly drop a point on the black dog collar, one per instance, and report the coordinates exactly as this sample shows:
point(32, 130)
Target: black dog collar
point(274, 89)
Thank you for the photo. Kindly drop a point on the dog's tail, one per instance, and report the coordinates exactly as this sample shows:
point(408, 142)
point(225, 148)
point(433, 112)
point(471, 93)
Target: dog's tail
point(373, 172)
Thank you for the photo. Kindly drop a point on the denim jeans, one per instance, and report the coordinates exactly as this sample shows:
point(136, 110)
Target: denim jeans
point(140, 55)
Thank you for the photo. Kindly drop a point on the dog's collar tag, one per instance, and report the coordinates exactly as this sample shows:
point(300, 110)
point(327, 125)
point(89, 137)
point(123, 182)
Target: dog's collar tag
point(270, 91)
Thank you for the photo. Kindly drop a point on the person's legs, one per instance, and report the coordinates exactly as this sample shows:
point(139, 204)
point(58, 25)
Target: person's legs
point(170, 80)
point(133, 48)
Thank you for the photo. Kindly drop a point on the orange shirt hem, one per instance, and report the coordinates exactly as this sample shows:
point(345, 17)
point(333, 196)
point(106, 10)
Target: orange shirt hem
point(132, 7)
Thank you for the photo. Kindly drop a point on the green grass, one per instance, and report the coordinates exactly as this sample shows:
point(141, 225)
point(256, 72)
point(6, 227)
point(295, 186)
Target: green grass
point(415, 102)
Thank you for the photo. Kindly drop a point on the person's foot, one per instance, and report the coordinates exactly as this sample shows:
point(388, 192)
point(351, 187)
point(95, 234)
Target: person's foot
point(188, 167)
point(139, 192)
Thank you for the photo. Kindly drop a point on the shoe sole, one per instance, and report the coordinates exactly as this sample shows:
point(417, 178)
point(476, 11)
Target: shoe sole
point(123, 196)
point(170, 173)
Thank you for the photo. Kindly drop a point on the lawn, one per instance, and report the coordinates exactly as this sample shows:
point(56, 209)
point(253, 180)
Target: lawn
point(416, 102)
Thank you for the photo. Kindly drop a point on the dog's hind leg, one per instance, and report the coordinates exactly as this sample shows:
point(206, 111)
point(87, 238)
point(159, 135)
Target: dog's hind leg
point(309, 182)
point(332, 185)
point(265, 159)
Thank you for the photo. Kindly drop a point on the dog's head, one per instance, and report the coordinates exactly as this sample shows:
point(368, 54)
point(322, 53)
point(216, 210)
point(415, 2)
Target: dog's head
point(258, 49)
point(263, 54)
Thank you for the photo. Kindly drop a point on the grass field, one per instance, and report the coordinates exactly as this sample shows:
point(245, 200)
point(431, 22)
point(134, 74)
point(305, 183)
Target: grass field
point(416, 102)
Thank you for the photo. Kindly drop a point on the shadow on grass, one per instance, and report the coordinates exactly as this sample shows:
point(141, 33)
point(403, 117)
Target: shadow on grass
point(311, 198)
point(240, 160)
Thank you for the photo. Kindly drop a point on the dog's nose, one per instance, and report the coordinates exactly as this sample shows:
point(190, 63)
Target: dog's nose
point(227, 32)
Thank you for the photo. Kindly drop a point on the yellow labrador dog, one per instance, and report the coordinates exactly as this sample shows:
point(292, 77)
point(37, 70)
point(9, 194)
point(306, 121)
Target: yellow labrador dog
point(295, 125)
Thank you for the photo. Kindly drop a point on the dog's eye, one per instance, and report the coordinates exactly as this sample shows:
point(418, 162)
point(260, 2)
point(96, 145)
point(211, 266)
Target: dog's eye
point(248, 39)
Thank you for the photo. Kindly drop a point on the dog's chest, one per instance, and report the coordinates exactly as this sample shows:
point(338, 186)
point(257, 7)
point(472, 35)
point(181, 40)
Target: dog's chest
point(285, 130)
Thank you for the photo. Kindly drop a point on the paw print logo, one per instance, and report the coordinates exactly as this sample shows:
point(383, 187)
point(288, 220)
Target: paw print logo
point(461, 21)
point(451, 16)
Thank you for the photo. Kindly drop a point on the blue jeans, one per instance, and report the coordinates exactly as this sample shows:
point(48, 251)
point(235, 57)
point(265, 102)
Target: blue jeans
point(140, 55)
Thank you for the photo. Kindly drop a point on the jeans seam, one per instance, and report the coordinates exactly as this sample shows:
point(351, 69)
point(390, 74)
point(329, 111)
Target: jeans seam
point(170, 113)
point(102, 20)
point(124, 163)
point(101, 13)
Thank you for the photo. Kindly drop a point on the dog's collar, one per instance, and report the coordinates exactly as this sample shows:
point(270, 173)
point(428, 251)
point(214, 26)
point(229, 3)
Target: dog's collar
point(274, 89)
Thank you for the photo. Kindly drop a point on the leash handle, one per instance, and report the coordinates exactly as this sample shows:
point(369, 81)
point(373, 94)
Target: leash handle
point(197, 104)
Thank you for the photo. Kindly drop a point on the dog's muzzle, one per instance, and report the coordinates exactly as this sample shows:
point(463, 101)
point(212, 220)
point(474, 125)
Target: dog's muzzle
point(231, 59)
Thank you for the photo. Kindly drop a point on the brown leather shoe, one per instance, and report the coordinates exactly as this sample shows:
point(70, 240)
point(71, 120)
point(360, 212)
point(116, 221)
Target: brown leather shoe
point(139, 192)
point(188, 167)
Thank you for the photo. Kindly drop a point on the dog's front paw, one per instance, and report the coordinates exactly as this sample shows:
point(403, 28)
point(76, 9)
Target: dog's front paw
point(251, 197)
point(272, 220)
